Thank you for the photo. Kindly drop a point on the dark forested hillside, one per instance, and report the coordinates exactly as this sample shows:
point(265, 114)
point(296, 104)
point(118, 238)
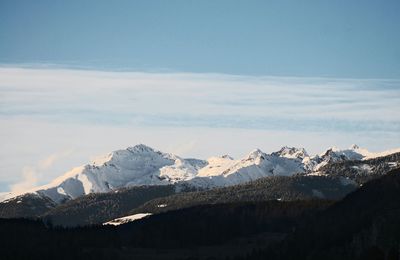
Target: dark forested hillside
point(98, 208)
point(222, 229)
point(265, 189)
point(218, 223)
point(26, 206)
point(364, 225)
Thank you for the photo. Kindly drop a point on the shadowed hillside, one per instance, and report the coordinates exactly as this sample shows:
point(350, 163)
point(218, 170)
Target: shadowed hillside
point(364, 225)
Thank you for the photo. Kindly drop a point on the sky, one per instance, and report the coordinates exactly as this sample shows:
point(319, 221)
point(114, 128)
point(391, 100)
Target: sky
point(79, 79)
point(341, 38)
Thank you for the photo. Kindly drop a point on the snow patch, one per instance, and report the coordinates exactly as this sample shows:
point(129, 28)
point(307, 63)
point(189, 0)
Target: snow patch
point(87, 185)
point(316, 174)
point(393, 164)
point(61, 191)
point(127, 219)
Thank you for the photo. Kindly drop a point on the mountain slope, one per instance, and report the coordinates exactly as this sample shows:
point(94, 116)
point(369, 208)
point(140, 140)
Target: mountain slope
point(362, 171)
point(280, 188)
point(26, 206)
point(256, 165)
point(97, 208)
point(364, 224)
point(209, 232)
point(100, 208)
point(134, 166)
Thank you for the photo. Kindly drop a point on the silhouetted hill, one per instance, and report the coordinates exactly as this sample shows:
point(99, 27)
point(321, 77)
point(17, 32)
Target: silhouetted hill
point(220, 229)
point(364, 224)
point(218, 223)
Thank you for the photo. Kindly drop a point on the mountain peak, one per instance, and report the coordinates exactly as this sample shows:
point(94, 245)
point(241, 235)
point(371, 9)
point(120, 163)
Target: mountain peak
point(330, 151)
point(291, 152)
point(354, 147)
point(255, 154)
point(121, 154)
point(226, 156)
point(139, 148)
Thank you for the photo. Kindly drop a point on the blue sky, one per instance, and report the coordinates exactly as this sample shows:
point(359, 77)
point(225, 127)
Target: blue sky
point(79, 79)
point(351, 39)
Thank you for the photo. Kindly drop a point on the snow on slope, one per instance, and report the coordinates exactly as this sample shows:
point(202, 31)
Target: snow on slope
point(127, 219)
point(5, 195)
point(134, 166)
point(142, 165)
point(256, 165)
point(216, 165)
point(335, 154)
point(182, 169)
point(259, 164)
point(292, 152)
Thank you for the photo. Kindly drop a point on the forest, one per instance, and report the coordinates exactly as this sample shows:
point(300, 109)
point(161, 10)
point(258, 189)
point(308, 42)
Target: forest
point(364, 225)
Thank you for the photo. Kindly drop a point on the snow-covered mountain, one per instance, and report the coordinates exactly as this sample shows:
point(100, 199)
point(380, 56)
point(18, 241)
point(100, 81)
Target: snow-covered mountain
point(134, 166)
point(335, 154)
point(225, 171)
point(141, 165)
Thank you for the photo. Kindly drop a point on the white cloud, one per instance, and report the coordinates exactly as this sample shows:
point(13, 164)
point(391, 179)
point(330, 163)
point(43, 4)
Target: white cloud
point(197, 115)
point(32, 174)
point(51, 159)
point(28, 181)
point(136, 98)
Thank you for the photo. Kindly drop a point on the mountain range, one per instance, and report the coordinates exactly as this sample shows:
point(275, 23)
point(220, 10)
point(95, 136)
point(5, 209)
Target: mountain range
point(363, 225)
point(139, 179)
point(141, 165)
point(142, 203)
